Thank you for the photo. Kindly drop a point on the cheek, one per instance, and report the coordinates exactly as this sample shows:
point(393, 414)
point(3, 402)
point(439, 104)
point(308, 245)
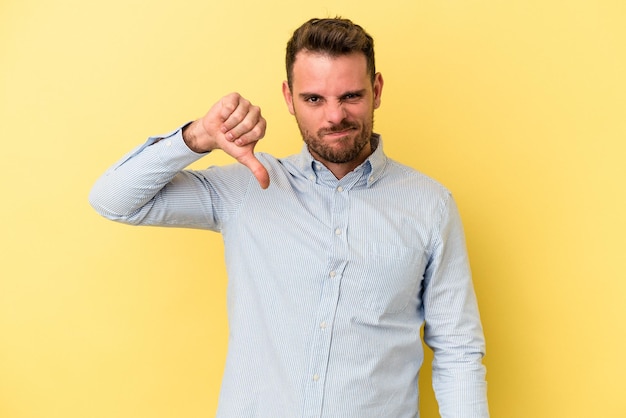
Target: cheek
point(307, 119)
point(359, 113)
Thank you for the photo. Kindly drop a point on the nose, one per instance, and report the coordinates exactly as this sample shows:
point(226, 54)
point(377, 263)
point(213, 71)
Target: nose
point(335, 113)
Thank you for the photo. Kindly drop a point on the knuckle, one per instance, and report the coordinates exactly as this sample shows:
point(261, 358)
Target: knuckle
point(259, 131)
point(228, 106)
point(246, 125)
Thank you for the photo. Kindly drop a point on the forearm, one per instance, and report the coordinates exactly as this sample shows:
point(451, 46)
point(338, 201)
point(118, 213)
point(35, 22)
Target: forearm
point(458, 373)
point(129, 185)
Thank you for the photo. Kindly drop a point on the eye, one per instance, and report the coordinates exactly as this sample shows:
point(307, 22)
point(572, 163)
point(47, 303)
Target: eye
point(313, 99)
point(351, 97)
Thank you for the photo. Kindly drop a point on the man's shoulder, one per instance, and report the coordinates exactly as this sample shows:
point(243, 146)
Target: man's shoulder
point(402, 175)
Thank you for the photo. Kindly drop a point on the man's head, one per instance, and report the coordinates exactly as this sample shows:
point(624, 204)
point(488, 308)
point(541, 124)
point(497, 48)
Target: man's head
point(332, 37)
point(332, 90)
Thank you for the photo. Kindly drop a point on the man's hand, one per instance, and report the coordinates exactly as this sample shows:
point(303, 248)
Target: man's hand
point(233, 125)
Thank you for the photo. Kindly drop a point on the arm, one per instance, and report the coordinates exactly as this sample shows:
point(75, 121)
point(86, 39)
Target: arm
point(452, 324)
point(149, 186)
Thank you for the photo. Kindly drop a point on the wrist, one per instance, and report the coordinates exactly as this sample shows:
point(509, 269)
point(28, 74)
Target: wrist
point(192, 134)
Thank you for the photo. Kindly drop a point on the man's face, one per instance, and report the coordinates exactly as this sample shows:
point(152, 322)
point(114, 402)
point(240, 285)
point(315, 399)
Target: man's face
point(333, 100)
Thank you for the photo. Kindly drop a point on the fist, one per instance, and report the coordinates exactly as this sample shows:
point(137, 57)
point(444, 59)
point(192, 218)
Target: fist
point(233, 125)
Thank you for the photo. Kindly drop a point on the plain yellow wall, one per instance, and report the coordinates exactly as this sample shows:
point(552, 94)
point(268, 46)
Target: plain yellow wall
point(518, 106)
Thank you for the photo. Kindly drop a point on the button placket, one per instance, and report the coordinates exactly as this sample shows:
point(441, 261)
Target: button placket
point(322, 336)
point(320, 350)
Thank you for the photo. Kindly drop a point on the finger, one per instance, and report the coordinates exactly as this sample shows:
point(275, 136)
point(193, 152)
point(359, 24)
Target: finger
point(228, 105)
point(251, 126)
point(258, 170)
point(253, 135)
point(234, 109)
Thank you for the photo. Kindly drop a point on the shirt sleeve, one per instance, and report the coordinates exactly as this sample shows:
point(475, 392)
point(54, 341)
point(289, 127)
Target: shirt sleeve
point(453, 328)
point(150, 186)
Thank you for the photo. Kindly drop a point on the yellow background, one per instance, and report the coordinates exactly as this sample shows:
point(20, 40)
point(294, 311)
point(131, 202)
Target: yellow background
point(518, 106)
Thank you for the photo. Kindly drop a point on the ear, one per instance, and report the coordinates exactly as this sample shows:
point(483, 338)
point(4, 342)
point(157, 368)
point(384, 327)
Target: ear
point(288, 97)
point(378, 89)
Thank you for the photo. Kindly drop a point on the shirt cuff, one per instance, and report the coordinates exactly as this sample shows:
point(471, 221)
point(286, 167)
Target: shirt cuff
point(172, 149)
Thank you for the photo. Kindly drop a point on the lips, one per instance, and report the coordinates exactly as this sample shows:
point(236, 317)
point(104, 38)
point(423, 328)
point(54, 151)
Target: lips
point(338, 131)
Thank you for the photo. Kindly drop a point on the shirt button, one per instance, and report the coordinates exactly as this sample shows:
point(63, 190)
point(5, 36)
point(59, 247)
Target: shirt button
point(323, 325)
point(316, 377)
point(332, 274)
point(340, 189)
point(338, 231)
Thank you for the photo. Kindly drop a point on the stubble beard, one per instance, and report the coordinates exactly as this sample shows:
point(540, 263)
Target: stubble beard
point(352, 144)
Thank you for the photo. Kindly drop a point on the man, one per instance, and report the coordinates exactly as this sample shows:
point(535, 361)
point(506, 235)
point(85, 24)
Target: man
point(336, 256)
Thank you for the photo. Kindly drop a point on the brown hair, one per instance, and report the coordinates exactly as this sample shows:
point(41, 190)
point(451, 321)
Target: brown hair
point(334, 37)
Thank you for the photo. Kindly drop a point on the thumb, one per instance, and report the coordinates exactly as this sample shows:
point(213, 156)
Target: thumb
point(258, 170)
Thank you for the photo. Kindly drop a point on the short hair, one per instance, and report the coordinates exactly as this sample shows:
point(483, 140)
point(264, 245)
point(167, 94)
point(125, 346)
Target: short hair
point(332, 36)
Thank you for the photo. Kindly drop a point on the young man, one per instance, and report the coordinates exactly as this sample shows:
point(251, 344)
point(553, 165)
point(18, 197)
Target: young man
point(336, 256)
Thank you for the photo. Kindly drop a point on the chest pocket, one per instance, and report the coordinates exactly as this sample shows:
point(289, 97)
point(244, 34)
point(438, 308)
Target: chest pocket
point(388, 277)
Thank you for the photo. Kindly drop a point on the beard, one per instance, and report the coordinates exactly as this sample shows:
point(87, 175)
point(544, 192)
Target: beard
point(343, 150)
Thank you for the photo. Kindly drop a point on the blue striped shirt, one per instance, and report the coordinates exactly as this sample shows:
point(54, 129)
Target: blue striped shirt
point(329, 280)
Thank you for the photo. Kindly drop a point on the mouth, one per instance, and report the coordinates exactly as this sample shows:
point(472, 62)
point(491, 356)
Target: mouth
point(338, 133)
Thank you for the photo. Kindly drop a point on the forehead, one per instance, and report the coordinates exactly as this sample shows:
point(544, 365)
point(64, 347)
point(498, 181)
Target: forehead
point(315, 72)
